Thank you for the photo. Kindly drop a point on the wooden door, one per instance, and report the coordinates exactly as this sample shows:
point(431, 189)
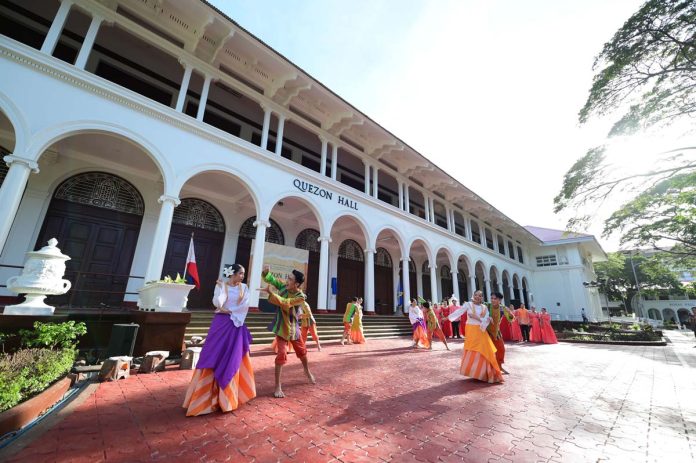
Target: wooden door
point(101, 244)
point(312, 279)
point(351, 282)
point(208, 249)
point(384, 290)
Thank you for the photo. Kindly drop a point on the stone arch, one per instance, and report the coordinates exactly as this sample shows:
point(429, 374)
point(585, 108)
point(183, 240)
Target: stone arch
point(18, 122)
point(668, 315)
point(323, 226)
point(399, 237)
point(654, 314)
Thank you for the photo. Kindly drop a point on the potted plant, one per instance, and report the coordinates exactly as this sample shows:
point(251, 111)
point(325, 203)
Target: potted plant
point(166, 295)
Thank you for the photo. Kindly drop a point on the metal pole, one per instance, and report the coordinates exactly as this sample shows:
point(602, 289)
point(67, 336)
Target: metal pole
point(635, 276)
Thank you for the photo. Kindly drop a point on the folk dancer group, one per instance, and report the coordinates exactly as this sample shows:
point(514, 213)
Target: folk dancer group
point(352, 323)
point(224, 377)
point(531, 326)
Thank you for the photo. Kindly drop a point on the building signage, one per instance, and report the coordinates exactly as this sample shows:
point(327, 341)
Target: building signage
point(315, 190)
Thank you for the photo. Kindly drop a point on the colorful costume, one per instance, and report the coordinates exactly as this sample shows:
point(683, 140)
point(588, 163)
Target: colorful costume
point(420, 331)
point(347, 317)
point(535, 332)
point(548, 336)
point(433, 326)
point(457, 323)
point(495, 334)
point(224, 377)
point(478, 358)
point(515, 331)
point(286, 323)
point(356, 329)
point(522, 316)
point(308, 324)
point(506, 325)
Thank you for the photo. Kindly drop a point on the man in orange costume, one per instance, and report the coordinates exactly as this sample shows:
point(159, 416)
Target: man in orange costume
point(494, 329)
point(522, 315)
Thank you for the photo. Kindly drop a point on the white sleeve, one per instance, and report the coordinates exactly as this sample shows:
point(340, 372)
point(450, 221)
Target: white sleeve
point(218, 296)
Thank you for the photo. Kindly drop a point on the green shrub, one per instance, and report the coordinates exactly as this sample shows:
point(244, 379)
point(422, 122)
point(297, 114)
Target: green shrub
point(53, 335)
point(29, 371)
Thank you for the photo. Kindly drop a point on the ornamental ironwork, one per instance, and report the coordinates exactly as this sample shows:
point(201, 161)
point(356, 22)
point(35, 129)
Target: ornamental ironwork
point(274, 234)
point(308, 239)
point(383, 259)
point(445, 272)
point(102, 190)
point(350, 250)
point(199, 214)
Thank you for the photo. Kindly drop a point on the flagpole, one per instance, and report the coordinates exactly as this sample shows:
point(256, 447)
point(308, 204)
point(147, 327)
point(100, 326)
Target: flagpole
point(186, 263)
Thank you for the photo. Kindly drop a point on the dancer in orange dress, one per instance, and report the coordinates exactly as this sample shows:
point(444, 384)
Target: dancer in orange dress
point(348, 319)
point(506, 324)
point(433, 326)
point(356, 328)
point(494, 328)
point(478, 358)
point(224, 377)
point(308, 325)
point(420, 331)
point(515, 331)
point(535, 332)
point(548, 336)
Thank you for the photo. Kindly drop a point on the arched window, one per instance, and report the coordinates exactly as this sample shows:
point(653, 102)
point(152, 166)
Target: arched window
point(103, 190)
point(199, 214)
point(425, 269)
point(273, 233)
point(383, 259)
point(308, 239)
point(350, 250)
point(3, 165)
point(445, 272)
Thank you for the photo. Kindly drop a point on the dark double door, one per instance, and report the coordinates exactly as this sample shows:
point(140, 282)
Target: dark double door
point(101, 244)
point(208, 249)
point(351, 282)
point(384, 290)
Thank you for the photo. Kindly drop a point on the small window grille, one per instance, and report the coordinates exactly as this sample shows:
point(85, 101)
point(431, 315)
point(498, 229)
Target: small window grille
point(308, 239)
point(274, 234)
point(102, 190)
point(351, 250)
point(199, 214)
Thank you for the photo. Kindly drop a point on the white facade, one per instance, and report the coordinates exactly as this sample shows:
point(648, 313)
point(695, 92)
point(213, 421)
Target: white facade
point(59, 120)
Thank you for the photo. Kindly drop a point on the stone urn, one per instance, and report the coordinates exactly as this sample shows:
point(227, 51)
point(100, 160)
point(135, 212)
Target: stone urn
point(42, 276)
point(157, 296)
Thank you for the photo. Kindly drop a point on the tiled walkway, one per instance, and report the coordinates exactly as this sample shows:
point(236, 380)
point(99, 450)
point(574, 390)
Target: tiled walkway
point(383, 401)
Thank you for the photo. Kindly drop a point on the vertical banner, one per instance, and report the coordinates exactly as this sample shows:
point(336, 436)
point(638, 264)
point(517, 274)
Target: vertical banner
point(282, 260)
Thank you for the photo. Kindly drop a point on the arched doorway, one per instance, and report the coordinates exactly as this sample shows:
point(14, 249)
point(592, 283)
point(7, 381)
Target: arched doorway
point(446, 282)
point(425, 278)
point(200, 219)
point(384, 282)
point(683, 315)
point(516, 290)
point(351, 273)
point(525, 291)
point(654, 314)
point(308, 239)
point(247, 232)
point(480, 278)
point(96, 218)
point(506, 287)
point(669, 316)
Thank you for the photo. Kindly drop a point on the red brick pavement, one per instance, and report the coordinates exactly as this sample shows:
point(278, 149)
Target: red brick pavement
point(386, 402)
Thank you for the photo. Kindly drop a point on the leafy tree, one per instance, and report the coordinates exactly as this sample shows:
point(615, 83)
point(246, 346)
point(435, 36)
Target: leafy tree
point(646, 73)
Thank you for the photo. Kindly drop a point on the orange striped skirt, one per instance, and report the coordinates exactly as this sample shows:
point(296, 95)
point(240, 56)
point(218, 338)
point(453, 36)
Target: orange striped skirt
point(478, 358)
point(205, 396)
point(421, 335)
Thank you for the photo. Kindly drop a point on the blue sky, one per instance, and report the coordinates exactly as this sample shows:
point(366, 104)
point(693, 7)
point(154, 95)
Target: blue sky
point(488, 90)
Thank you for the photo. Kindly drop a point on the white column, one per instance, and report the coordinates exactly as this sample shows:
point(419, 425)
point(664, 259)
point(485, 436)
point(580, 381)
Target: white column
point(467, 221)
point(455, 285)
point(161, 237)
point(12, 190)
point(406, 283)
point(426, 204)
point(334, 162)
point(401, 195)
point(375, 183)
point(181, 99)
point(204, 97)
point(266, 127)
point(257, 261)
point(369, 302)
point(367, 178)
point(432, 210)
point(419, 279)
point(433, 283)
point(472, 286)
point(88, 43)
point(279, 135)
point(449, 219)
point(395, 279)
point(323, 286)
point(324, 149)
point(407, 199)
point(51, 40)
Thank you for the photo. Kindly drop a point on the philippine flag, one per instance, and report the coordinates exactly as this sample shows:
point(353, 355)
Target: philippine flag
point(191, 268)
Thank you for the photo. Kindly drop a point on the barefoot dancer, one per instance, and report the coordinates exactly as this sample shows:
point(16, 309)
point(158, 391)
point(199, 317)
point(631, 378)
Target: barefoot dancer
point(309, 325)
point(494, 328)
point(433, 326)
point(347, 320)
point(420, 331)
point(356, 329)
point(289, 299)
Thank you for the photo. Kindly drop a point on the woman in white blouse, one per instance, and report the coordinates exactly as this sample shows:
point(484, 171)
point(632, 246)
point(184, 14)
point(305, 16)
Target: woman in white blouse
point(478, 358)
point(224, 377)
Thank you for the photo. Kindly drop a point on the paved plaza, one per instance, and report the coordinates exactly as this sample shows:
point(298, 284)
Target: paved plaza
point(383, 401)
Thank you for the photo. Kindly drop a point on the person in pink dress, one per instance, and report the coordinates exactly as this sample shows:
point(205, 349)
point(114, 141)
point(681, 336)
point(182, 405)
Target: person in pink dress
point(515, 330)
point(506, 324)
point(445, 323)
point(548, 336)
point(535, 332)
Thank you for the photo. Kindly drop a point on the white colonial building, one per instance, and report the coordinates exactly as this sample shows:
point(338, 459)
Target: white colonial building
point(126, 125)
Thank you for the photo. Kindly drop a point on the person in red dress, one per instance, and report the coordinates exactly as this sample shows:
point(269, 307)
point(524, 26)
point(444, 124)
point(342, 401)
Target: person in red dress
point(515, 330)
point(535, 332)
point(445, 323)
point(506, 324)
point(548, 336)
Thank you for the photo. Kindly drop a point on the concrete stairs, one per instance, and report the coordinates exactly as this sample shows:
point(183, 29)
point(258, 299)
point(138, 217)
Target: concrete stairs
point(329, 327)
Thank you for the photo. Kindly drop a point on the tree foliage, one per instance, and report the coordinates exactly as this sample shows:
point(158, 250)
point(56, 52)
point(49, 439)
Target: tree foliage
point(646, 72)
